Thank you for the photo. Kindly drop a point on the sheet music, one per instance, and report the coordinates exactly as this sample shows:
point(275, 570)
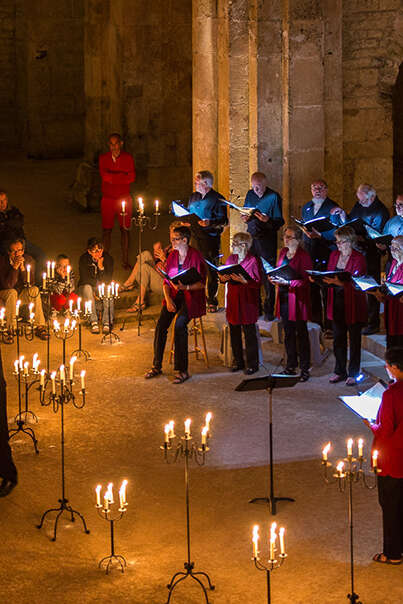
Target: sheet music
point(179, 210)
point(366, 405)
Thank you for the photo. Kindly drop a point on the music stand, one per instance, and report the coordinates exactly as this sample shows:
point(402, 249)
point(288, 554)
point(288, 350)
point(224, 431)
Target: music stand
point(269, 383)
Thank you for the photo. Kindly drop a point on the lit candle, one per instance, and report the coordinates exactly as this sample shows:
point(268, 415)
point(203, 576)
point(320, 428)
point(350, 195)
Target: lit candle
point(282, 544)
point(209, 415)
point(116, 289)
point(17, 308)
point(42, 378)
point(350, 447)
point(255, 540)
point(204, 435)
point(56, 325)
point(141, 205)
point(109, 493)
point(68, 274)
point(43, 280)
point(26, 365)
point(122, 494)
point(187, 427)
point(72, 361)
point(375, 459)
point(108, 290)
point(123, 207)
point(31, 307)
point(82, 375)
point(53, 378)
point(71, 302)
point(73, 324)
point(166, 432)
point(28, 274)
point(78, 304)
point(16, 366)
point(99, 291)
point(339, 469)
point(62, 373)
point(360, 447)
point(66, 325)
point(325, 451)
point(22, 362)
point(53, 269)
point(2, 313)
point(89, 307)
point(273, 538)
point(106, 501)
point(32, 317)
point(157, 206)
point(48, 269)
point(98, 493)
point(171, 429)
point(35, 362)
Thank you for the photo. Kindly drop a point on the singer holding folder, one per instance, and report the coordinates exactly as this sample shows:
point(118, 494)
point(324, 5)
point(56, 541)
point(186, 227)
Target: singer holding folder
point(184, 302)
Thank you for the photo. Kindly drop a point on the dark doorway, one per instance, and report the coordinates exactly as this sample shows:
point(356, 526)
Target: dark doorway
point(397, 101)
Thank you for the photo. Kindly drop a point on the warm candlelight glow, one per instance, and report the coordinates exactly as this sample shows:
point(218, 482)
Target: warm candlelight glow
point(98, 492)
point(82, 375)
point(53, 378)
point(166, 431)
point(62, 373)
point(339, 469)
point(109, 493)
point(325, 451)
point(68, 274)
point(22, 362)
point(43, 280)
point(209, 415)
point(204, 435)
point(35, 362)
point(16, 366)
point(53, 269)
point(360, 447)
point(17, 308)
point(48, 269)
point(157, 205)
point(282, 543)
point(141, 205)
point(255, 540)
point(171, 428)
point(56, 325)
point(187, 427)
point(78, 304)
point(122, 494)
point(72, 361)
point(43, 378)
point(375, 459)
point(28, 274)
point(123, 207)
point(350, 447)
point(273, 537)
point(26, 365)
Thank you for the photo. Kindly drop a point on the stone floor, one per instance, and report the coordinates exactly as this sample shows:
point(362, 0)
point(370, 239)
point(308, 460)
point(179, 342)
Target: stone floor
point(118, 435)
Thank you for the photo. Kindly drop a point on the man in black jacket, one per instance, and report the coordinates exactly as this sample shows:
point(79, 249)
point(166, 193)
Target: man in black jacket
point(96, 268)
point(8, 471)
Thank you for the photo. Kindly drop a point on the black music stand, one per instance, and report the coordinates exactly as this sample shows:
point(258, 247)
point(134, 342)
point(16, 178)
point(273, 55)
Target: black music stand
point(269, 383)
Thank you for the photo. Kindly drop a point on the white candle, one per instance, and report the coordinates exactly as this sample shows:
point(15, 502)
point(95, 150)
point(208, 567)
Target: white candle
point(16, 366)
point(113, 288)
point(325, 451)
point(141, 205)
point(272, 545)
point(17, 308)
point(68, 274)
point(42, 378)
point(339, 469)
point(53, 269)
point(79, 304)
point(123, 207)
point(35, 362)
point(166, 433)
point(62, 373)
point(22, 362)
point(109, 493)
point(209, 415)
point(282, 544)
point(32, 317)
point(350, 447)
point(171, 429)
point(375, 459)
point(360, 447)
point(106, 501)
point(116, 289)
point(98, 493)
point(72, 361)
point(56, 325)
point(82, 375)
point(157, 206)
point(28, 274)
point(122, 494)
point(108, 295)
point(99, 291)
point(73, 324)
point(255, 540)
point(66, 325)
point(204, 435)
point(2, 313)
point(53, 378)
point(187, 427)
point(89, 307)
point(43, 280)
point(71, 302)
point(48, 269)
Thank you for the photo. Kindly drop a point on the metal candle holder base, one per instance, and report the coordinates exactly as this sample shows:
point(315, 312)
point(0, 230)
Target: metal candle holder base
point(21, 418)
point(80, 352)
point(187, 451)
point(269, 568)
point(108, 561)
point(112, 336)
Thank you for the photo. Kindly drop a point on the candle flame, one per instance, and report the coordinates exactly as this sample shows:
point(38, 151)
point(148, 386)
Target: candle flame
point(167, 428)
point(340, 467)
point(326, 449)
point(375, 454)
point(204, 431)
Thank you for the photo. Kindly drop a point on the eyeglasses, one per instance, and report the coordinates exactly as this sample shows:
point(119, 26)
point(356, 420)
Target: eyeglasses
point(340, 241)
point(289, 237)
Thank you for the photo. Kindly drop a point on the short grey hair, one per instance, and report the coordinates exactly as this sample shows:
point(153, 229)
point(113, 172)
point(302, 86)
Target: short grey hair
point(369, 190)
point(206, 177)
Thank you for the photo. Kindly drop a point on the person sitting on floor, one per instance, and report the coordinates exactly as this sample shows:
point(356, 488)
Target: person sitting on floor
point(96, 268)
point(63, 289)
point(243, 304)
point(17, 271)
point(183, 302)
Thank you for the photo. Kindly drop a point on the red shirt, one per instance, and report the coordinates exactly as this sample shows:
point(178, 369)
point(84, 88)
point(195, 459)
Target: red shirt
point(299, 290)
point(116, 175)
point(243, 298)
point(195, 299)
point(388, 432)
point(394, 308)
point(355, 302)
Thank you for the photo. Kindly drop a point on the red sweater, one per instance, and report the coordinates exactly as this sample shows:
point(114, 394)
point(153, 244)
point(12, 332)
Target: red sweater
point(388, 432)
point(394, 308)
point(299, 291)
point(243, 298)
point(355, 302)
point(116, 175)
point(195, 299)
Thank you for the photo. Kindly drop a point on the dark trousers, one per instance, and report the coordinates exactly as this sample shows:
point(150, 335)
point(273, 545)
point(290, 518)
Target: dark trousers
point(268, 251)
point(340, 331)
point(251, 345)
point(180, 335)
point(392, 341)
point(296, 339)
point(373, 312)
point(390, 495)
point(374, 270)
point(319, 302)
point(7, 467)
point(210, 249)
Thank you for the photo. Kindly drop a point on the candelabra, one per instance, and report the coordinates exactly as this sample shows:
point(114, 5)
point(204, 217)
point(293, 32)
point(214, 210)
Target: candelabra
point(108, 298)
point(141, 221)
point(106, 512)
point(79, 316)
point(188, 451)
point(348, 472)
point(58, 401)
point(64, 332)
point(29, 378)
point(48, 287)
point(273, 562)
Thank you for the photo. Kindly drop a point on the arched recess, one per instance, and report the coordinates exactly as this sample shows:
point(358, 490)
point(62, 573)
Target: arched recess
point(397, 116)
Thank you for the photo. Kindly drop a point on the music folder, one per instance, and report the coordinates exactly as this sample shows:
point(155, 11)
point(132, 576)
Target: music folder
point(240, 209)
point(285, 271)
point(394, 289)
point(376, 236)
point(366, 405)
point(366, 283)
point(186, 277)
point(268, 382)
point(181, 212)
point(228, 269)
point(320, 224)
point(320, 275)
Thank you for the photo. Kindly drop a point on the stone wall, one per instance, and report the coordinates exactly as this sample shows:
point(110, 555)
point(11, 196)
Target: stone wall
point(8, 130)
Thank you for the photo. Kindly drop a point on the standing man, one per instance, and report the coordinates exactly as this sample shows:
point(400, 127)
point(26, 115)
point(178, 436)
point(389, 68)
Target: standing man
point(8, 471)
point(263, 225)
point(117, 173)
point(394, 226)
point(213, 217)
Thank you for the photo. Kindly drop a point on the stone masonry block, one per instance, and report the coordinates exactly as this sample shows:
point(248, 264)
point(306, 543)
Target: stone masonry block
point(306, 128)
point(306, 77)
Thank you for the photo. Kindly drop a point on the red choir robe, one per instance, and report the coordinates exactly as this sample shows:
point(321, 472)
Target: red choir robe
point(243, 298)
point(299, 291)
point(195, 300)
point(355, 302)
point(394, 308)
point(116, 175)
point(388, 432)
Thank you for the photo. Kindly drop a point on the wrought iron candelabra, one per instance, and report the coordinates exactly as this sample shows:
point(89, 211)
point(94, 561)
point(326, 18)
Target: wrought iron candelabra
point(81, 315)
point(64, 332)
point(141, 221)
point(108, 297)
point(58, 400)
point(111, 515)
point(188, 451)
point(348, 472)
point(48, 287)
point(28, 377)
point(275, 560)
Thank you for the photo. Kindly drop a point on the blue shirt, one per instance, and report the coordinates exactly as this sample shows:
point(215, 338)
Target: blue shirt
point(324, 211)
point(394, 226)
point(210, 207)
point(269, 204)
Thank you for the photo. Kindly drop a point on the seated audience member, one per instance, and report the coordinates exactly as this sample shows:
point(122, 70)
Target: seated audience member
point(243, 304)
point(13, 285)
point(64, 285)
point(388, 439)
point(12, 227)
point(346, 306)
point(184, 302)
point(294, 303)
point(96, 267)
point(394, 225)
point(393, 304)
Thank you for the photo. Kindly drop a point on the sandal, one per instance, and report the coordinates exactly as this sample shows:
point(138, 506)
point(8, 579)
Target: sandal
point(152, 373)
point(42, 333)
point(136, 307)
point(180, 378)
point(385, 560)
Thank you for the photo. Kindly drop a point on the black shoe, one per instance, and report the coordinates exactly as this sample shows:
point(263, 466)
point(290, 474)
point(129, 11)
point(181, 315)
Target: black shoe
point(370, 329)
point(304, 377)
point(288, 372)
point(251, 370)
point(236, 368)
point(6, 487)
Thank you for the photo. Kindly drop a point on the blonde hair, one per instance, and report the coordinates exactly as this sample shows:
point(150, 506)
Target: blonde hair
point(296, 230)
point(347, 232)
point(242, 237)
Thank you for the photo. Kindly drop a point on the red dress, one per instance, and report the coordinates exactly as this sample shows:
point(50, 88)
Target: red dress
point(355, 302)
point(299, 291)
point(116, 179)
point(388, 432)
point(394, 308)
point(195, 299)
point(243, 298)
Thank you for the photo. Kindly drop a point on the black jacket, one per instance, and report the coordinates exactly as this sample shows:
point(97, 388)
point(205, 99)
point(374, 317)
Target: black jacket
point(90, 273)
